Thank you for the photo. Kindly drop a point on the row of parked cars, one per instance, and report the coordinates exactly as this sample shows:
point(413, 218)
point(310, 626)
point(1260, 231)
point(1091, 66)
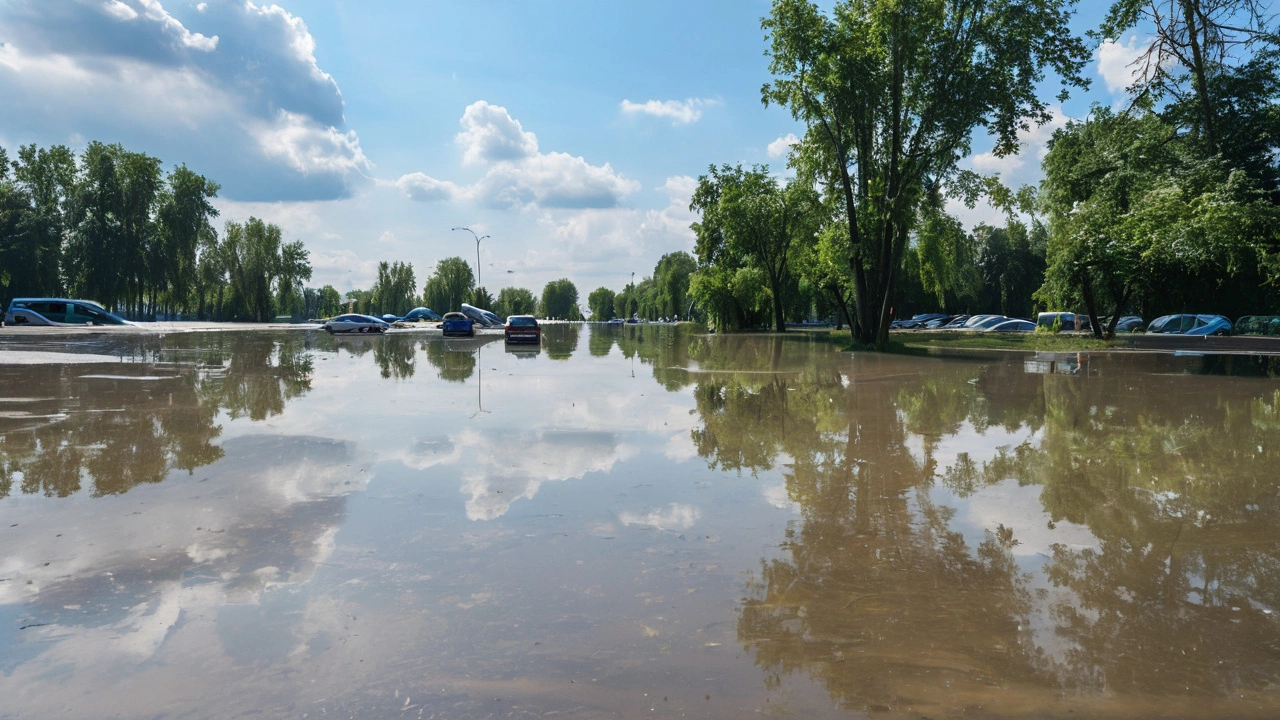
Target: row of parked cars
point(517, 328)
point(1181, 324)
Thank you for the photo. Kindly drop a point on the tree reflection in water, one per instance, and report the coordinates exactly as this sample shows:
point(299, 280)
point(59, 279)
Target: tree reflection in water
point(878, 593)
point(118, 425)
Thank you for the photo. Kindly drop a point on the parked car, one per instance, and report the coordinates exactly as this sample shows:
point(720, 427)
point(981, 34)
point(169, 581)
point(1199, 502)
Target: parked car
point(481, 316)
point(522, 328)
point(1185, 324)
point(421, 313)
point(1126, 323)
point(989, 322)
point(59, 312)
point(1015, 325)
point(972, 322)
point(915, 321)
point(1065, 320)
point(957, 322)
point(1258, 325)
point(390, 318)
point(455, 323)
point(355, 323)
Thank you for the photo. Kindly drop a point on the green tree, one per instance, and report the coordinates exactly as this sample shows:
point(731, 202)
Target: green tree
point(560, 300)
point(395, 291)
point(749, 220)
point(1131, 206)
point(515, 301)
point(185, 213)
point(891, 92)
point(600, 302)
point(481, 298)
point(671, 277)
point(330, 302)
point(449, 285)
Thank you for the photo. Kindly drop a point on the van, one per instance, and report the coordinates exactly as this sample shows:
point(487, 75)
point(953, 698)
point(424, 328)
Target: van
point(58, 312)
point(1068, 321)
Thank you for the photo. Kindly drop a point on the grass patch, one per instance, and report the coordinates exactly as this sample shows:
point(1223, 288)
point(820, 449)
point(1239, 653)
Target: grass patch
point(1030, 342)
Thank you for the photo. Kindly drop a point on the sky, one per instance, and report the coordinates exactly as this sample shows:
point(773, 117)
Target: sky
point(571, 132)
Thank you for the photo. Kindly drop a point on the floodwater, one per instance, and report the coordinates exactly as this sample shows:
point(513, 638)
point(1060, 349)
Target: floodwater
point(631, 522)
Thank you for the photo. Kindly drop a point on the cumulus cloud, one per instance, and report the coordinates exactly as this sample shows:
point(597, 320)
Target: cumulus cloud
point(680, 112)
point(240, 98)
point(782, 145)
point(490, 134)
point(518, 175)
point(1116, 63)
point(424, 188)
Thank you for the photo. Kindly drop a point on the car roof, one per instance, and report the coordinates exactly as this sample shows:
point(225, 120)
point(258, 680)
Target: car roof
point(56, 299)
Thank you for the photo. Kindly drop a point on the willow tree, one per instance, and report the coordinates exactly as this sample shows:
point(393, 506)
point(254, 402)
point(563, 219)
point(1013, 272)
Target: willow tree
point(892, 91)
point(750, 220)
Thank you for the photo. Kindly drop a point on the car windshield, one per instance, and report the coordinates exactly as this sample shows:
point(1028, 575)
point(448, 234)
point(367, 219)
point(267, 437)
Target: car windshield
point(522, 322)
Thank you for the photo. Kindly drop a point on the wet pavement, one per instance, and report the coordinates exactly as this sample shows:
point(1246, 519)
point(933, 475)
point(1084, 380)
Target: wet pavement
point(631, 522)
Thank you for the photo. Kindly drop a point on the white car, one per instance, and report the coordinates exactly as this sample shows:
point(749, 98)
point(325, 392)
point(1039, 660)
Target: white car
point(355, 324)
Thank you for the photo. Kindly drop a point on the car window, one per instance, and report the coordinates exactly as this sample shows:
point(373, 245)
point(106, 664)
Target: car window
point(522, 322)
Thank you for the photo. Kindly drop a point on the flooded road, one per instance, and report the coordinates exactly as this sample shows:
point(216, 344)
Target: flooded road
point(631, 522)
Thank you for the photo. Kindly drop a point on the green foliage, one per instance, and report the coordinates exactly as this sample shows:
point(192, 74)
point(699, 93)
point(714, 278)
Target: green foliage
point(330, 302)
point(947, 259)
point(560, 301)
point(751, 221)
point(891, 92)
point(111, 226)
point(481, 298)
point(600, 303)
point(1132, 205)
point(515, 301)
point(449, 285)
point(395, 290)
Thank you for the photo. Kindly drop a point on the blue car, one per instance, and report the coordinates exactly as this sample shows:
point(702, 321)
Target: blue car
point(1190, 325)
point(457, 324)
point(58, 312)
point(420, 313)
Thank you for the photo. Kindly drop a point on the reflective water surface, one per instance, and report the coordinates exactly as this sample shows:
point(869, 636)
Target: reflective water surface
point(628, 522)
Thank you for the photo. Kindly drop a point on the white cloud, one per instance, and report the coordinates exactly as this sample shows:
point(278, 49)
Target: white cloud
point(1116, 63)
point(555, 180)
point(677, 517)
point(120, 11)
point(247, 80)
point(1023, 168)
point(490, 134)
point(518, 175)
point(424, 188)
point(782, 145)
point(309, 147)
point(681, 112)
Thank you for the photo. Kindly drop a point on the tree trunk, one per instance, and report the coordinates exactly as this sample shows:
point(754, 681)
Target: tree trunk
point(1086, 288)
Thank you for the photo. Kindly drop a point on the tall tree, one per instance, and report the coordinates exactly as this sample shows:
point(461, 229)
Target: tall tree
point(1192, 45)
point(395, 290)
point(515, 301)
point(185, 213)
point(891, 92)
point(560, 300)
point(749, 219)
point(449, 286)
point(600, 303)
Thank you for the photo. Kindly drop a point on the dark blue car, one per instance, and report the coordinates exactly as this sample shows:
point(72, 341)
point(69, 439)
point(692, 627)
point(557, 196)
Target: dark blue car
point(420, 313)
point(457, 324)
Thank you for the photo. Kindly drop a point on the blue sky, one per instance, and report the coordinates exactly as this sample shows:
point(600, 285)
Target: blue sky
point(569, 131)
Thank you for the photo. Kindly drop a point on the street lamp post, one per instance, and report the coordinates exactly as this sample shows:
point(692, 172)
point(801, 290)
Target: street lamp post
point(478, 239)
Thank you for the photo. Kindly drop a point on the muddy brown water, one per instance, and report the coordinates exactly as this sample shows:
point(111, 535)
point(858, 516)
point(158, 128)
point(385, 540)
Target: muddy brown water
point(631, 522)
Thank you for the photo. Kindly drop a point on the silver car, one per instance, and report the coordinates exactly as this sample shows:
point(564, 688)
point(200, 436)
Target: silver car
point(354, 323)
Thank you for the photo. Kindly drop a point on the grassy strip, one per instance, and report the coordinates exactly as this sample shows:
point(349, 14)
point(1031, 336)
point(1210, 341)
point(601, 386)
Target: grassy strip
point(1030, 342)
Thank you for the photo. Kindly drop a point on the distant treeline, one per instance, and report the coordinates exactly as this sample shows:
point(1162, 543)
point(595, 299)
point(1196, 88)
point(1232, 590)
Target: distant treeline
point(451, 283)
point(112, 226)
